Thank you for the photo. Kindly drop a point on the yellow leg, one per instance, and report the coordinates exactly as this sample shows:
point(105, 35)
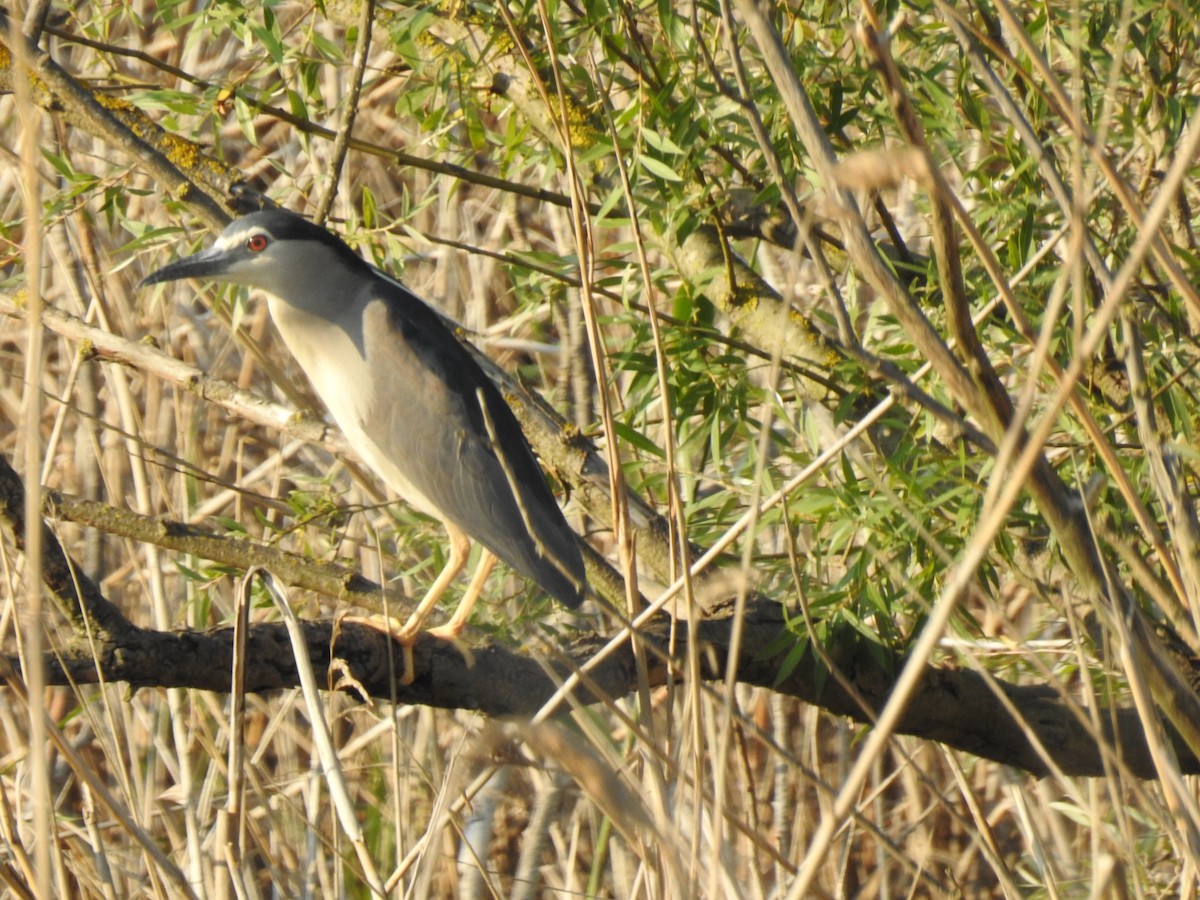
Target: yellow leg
point(406, 635)
point(452, 629)
point(460, 548)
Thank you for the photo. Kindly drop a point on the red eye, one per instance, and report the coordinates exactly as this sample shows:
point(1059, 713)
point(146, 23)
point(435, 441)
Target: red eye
point(257, 243)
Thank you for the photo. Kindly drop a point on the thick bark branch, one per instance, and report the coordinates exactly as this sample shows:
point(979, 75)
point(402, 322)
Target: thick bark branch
point(955, 707)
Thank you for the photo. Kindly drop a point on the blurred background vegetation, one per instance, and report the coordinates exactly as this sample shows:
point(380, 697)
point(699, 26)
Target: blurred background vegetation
point(893, 304)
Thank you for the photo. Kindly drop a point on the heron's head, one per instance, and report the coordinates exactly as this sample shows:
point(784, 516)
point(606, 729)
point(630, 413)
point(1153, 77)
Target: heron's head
point(275, 250)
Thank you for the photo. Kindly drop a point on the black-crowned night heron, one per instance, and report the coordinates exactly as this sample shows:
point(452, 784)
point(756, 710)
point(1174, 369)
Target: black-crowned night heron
point(410, 400)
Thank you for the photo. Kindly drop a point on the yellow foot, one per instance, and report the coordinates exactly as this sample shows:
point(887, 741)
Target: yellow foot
point(398, 632)
point(450, 633)
point(405, 635)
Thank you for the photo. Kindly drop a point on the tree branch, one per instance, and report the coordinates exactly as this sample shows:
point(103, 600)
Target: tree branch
point(182, 166)
point(955, 707)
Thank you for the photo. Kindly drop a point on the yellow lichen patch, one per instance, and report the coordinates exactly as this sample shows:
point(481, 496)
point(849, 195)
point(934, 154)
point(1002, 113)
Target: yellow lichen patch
point(186, 155)
point(581, 132)
point(87, 350)
point(744, 296)
point(149, 340)
point(805, 328)
point(35, 83)
point(341, 12)
point(128, 115)
point(437, 46)
point(218, 168)
point(804, 325)
point(113, 103)
point(503, 42)
point(573, 438)
point(180, 151)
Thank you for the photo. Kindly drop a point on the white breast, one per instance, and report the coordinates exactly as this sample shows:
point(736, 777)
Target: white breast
point(331, 355)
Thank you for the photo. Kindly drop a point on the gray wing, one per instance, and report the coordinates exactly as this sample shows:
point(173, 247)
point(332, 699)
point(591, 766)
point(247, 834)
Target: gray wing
point(455, 441)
